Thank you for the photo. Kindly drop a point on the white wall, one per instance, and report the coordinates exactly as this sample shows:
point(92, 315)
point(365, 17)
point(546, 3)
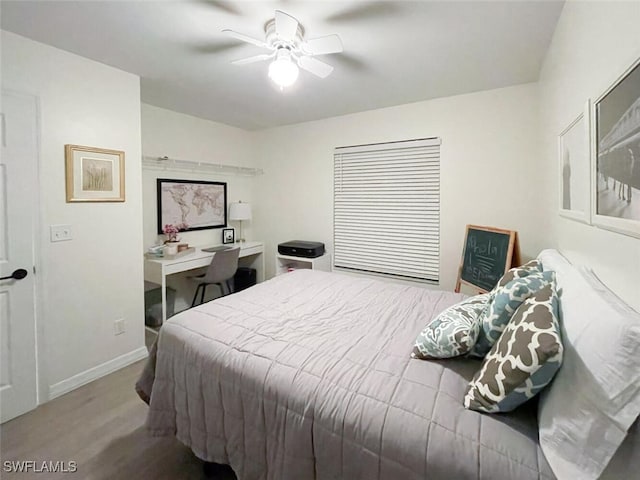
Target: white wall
point(593, 44)
point(179, 136)
point(96, 278)
point(489, 169)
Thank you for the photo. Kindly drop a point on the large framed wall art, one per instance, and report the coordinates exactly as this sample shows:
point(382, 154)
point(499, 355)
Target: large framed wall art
point(191, 204)
point(615, 195)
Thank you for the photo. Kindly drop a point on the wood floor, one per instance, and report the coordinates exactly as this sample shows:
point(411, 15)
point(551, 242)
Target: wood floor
point(100, 426)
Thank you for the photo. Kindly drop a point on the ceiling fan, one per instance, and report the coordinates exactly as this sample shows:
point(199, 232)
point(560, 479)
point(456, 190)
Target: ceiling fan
point(284, 36)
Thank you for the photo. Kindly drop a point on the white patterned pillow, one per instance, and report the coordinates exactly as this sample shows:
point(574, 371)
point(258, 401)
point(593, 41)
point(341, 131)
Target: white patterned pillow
point(599, 384)
point(503, 303)
point(453, 332)
point(523, 361)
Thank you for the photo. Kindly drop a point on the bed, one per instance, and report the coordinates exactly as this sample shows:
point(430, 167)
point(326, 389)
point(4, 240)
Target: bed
point(308, 376)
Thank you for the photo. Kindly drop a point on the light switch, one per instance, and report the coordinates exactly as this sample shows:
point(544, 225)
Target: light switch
point(60, 233)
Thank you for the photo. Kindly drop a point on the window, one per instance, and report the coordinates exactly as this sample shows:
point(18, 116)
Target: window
point(387, 209)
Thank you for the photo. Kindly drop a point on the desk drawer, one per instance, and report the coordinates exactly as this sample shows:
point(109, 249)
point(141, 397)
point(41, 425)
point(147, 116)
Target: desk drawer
point(245, 252)
point(187, 265)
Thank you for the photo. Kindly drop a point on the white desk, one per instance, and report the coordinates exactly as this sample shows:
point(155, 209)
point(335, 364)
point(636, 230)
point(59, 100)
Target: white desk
point(157, 269)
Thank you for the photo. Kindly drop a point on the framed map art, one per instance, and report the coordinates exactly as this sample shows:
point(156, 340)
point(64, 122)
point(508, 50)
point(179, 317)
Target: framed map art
point(197, 204)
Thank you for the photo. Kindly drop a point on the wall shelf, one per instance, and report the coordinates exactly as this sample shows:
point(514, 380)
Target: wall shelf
point(287, 263)
point(179, 165)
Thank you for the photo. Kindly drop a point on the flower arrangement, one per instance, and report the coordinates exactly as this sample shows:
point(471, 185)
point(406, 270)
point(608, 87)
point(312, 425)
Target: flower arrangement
point(171, 231)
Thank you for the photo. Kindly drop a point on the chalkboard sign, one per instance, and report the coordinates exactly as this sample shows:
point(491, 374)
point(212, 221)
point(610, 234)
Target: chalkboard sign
point(488, 254)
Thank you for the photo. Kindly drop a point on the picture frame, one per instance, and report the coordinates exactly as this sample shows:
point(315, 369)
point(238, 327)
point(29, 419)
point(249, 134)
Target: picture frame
point(228, 235)
point(94, 174)
point(574, 162)
point(191, 204)
point(615, 157)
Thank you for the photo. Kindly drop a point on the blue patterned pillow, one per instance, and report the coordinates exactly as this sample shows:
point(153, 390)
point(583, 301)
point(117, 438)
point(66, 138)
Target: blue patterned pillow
point(503, 303)
point(453, 332)
point(524, 360)
point(528, 268)
point(533, 266)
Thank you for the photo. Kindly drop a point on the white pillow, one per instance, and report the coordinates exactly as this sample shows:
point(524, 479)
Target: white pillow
point(595, 397)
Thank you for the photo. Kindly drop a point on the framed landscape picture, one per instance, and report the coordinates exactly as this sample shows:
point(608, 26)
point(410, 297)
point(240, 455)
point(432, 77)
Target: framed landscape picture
point(191, 204)
point(94, 174)
point(575, 169)
point(615, 162)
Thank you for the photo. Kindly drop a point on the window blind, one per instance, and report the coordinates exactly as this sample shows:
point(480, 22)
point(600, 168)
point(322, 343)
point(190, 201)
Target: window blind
point(387, 208)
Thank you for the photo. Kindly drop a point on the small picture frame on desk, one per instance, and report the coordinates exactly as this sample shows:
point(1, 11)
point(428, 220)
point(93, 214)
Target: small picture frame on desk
point(228, 235)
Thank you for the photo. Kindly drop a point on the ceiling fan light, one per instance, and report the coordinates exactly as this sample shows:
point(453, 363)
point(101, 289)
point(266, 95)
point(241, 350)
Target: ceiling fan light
point(283, 72)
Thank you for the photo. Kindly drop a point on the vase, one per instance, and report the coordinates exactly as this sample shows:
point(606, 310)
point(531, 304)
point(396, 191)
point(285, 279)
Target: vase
point(170, 248)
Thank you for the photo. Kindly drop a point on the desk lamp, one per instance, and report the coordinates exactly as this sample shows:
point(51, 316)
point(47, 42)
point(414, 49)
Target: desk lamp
point(240, 211)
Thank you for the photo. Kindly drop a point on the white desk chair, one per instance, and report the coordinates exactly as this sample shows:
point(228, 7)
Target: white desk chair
point(222, 268)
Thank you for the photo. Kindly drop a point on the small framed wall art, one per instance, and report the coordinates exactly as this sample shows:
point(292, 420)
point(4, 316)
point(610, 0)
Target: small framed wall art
point(94, 174)
point(228, 235)
point(575, 169)
point(615, 196)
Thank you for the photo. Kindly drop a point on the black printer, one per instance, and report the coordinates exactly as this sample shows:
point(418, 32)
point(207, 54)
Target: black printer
point(301, 248)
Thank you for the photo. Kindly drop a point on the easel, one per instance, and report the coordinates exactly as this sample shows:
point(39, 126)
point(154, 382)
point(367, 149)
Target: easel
point(511, 255)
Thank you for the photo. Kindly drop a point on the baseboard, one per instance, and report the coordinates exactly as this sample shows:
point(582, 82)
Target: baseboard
point(65, 386)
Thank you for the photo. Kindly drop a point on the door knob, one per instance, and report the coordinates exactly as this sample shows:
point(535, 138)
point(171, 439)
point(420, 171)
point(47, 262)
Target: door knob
point(18, 274)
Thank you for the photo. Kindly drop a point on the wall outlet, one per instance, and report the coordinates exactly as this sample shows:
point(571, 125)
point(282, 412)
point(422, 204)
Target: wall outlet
point(60, 233)
point(118, 326)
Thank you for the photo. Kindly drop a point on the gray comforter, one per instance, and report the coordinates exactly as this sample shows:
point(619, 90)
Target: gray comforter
point(308, 376)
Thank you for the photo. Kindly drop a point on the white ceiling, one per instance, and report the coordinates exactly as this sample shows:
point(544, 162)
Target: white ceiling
point(394, 52)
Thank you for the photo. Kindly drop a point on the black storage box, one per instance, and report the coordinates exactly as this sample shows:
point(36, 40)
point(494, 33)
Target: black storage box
point(244, 278)
point(301, 248)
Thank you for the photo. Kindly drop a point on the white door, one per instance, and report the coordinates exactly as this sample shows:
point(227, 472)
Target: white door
point(18, 197)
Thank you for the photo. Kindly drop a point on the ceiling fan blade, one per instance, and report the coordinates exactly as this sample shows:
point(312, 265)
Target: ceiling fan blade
point(323, 45)
point(245, 38)
point(213, 47)
point(286, 26)
point(225, 7)
point(318, 68)
point(363, 11)
point(255, 58)
point(351, 61)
